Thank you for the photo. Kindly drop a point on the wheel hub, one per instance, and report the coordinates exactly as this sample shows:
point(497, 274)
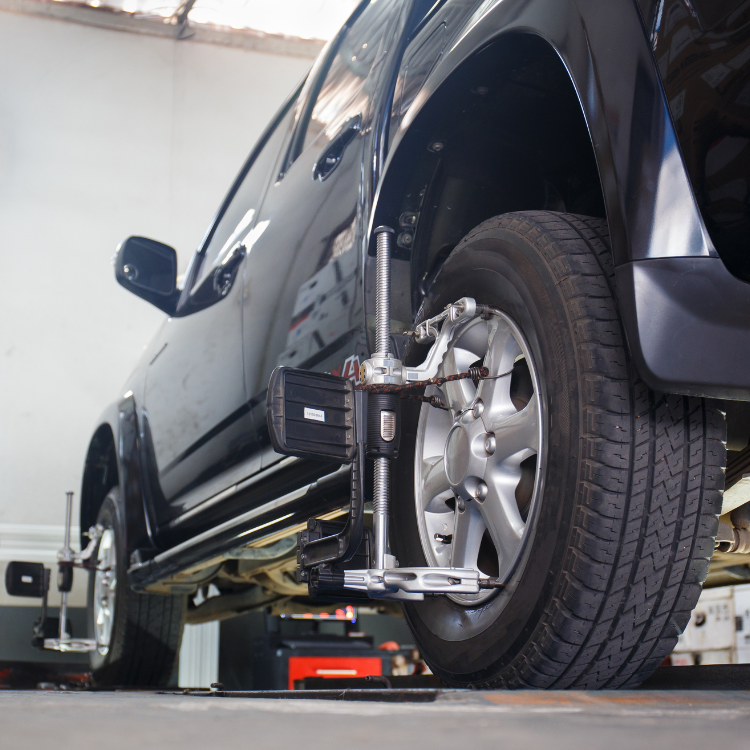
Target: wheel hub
point(466, 456)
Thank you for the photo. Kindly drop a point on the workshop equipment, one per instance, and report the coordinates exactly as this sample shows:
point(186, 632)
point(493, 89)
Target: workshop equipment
point(328, 418)
point(31, 579)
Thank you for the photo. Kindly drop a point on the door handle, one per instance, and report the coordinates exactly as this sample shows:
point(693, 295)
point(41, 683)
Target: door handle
point(331, 157)
point(226, 271)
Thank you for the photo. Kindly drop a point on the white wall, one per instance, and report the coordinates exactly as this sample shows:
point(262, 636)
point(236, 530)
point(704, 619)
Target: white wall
point(102, 134)
point(199, 655)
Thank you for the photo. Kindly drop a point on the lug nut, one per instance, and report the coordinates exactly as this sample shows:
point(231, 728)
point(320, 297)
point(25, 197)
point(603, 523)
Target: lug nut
point(478, 409)
point(489, 444)
point(481, 491)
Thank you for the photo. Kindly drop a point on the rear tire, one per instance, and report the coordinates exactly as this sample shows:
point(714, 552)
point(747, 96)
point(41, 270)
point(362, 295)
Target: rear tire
point(621, 536)
point(139, 635)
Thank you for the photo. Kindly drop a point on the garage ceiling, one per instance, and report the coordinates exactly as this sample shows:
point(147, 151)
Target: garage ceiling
point(301, 19)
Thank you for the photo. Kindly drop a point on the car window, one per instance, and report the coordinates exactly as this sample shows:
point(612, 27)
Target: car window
point(343, 90)
point(239, 218)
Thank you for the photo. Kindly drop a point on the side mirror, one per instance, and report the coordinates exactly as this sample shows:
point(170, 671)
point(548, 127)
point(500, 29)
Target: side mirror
point(149, 269)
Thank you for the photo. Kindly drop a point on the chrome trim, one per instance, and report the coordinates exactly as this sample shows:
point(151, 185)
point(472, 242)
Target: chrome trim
point(229, 491)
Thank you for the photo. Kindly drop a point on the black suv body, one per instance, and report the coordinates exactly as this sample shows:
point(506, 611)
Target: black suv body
point(432, 118)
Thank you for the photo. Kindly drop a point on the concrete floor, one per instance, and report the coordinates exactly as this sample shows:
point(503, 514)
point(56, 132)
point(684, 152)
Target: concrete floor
point(456, 720)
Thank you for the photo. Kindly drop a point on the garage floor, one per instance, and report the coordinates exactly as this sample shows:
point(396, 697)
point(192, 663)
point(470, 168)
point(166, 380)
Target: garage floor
point(454, 719)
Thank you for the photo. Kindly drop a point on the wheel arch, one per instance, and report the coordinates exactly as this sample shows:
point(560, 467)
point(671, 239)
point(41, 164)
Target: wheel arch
point(112, 460)
point(504, 132)
point(617, 120)
point(101, 473)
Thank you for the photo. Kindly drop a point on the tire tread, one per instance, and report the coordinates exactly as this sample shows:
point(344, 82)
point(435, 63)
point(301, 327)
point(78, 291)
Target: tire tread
point(147, 635)
point(649, 488)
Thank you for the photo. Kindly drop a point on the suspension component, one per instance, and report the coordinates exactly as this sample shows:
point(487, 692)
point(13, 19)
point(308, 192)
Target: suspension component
point(731, 539)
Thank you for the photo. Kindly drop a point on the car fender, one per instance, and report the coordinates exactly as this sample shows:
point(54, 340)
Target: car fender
point(649, 200)
point(115, 446)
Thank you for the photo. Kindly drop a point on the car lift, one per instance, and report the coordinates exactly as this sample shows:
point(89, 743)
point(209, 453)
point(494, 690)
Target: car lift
point(327, 417)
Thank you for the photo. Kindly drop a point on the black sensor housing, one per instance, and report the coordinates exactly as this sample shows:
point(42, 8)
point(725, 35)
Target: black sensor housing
point(25, 579)
point(311, 414)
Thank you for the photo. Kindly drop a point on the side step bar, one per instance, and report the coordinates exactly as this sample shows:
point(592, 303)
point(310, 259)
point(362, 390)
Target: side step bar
point(287, 511)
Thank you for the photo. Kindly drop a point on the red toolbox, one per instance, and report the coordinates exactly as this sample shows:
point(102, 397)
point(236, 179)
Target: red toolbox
point(333, 667)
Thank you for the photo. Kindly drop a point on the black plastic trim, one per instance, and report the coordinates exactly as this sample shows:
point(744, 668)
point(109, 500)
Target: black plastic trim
point(688, 325)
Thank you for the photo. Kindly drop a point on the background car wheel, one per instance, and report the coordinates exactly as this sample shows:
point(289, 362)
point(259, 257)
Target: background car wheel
point(593, 498)
point(138, 635)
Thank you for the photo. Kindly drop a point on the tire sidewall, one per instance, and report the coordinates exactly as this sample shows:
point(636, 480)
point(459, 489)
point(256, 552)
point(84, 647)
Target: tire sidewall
point(503, 268)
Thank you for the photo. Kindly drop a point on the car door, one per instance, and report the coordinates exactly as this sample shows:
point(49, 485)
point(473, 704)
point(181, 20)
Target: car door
point(197, 426)
point(303, 298)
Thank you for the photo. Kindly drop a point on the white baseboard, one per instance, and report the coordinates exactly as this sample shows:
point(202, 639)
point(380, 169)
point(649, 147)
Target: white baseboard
point(34, 542)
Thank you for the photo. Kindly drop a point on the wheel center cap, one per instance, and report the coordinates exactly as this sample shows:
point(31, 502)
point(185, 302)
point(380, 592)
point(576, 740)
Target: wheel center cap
point(457, 455)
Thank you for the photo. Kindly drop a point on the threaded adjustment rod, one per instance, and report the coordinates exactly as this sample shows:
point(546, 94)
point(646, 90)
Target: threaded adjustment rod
point(384, 239)
point(381, 495)
point(381, 511)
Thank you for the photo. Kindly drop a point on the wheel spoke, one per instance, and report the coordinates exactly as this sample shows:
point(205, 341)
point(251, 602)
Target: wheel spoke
point(518, 433)
point(503, 349)
point(440, 524)
point(435, 424)
point(500, 512)
point(468, 528)
point(459, 394)
point(434, 483)
point(473, 338)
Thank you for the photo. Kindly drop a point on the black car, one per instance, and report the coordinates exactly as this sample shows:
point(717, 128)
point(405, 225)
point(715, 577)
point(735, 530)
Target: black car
point(574, 173)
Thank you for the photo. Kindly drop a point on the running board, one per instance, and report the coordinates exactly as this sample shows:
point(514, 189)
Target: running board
point(285, 512)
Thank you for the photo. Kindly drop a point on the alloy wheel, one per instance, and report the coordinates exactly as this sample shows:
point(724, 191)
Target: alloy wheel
point(105, 588)
point(477, 464)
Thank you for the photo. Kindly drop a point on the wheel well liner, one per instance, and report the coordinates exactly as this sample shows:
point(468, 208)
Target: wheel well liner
point(504, 132)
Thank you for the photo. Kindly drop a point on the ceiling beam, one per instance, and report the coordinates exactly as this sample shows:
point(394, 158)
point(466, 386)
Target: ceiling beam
point(106, 18)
